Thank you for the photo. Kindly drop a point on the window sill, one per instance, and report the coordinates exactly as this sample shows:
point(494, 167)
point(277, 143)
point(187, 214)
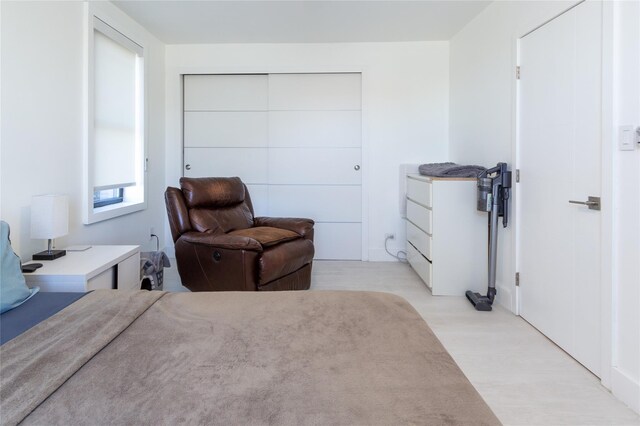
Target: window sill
point(112, 211)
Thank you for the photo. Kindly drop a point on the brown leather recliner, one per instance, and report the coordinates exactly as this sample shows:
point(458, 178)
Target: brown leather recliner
point(221, 246)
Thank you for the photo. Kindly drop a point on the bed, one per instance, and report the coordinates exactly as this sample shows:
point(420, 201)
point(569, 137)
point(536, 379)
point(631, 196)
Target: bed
point(285, 358)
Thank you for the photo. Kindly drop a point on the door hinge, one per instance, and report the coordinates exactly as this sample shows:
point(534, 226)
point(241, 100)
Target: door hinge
point(517, 279)
point(517, 175)
point(518, 72)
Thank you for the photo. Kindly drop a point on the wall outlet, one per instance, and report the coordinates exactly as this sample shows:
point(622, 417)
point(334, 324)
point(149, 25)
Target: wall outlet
point(389, 236)
point(151, 232)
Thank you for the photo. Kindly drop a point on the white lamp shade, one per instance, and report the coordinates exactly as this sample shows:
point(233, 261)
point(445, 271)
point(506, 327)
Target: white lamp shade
point(49, 216)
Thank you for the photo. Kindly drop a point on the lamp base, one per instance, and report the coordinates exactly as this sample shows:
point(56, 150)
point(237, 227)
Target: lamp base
point(49, 255)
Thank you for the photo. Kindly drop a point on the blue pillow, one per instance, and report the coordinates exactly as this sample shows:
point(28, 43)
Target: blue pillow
point(13, 288)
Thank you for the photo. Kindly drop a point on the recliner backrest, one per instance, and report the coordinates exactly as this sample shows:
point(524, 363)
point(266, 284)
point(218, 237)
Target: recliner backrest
point(177, 211)
point(217, 205)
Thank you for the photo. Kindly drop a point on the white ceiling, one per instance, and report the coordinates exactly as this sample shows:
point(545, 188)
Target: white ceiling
point(176, 22)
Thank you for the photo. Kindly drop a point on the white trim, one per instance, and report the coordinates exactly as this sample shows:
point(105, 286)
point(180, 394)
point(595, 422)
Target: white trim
point(608, 200)
point(87, 108)
point(515, 161)
point(114, 210)
point(365, 152)
point(552, 18)
point(117, 36)
point(179, 72)
point(97, 19)
point(381, 255)
point(504, 292)
point(625, 389)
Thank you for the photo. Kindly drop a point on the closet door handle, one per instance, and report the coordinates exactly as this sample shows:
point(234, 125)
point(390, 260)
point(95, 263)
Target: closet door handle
point(356, 167)
point(188, 167)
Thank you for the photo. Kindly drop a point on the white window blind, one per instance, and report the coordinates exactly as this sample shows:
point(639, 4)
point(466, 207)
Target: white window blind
point(117, 118)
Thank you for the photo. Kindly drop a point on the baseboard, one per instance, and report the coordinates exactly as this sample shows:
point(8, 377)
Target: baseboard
point(626, 389)
point(504, 298)
point(375, 255)
point(380, 255)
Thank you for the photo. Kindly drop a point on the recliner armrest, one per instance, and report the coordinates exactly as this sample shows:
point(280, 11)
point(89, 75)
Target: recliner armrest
point(222, 241)
point(300, 226)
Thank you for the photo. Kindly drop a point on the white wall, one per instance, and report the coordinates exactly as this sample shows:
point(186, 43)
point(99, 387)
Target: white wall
point(42, 122)
point(483, 59)
point(626, 183)
point(482, 130)
point(405, 108)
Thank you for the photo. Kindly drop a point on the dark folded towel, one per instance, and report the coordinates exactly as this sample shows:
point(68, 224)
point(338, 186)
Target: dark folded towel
point(450, 170)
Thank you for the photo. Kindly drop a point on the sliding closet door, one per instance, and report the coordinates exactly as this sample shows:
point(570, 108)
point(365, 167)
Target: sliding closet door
point(315, 155)
point(295, 139)
point(226, 130)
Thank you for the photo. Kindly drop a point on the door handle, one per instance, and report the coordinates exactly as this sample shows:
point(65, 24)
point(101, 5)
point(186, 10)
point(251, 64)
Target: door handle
point(188, 167)
point(592, 202)
point(356, 167)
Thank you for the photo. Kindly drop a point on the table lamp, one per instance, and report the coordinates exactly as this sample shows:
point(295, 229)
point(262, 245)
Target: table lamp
point(49, 220)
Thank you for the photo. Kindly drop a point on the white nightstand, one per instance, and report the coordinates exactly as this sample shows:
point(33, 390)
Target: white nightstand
point(110, 267)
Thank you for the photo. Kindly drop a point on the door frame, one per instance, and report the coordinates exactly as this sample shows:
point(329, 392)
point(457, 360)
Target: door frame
point(606, 183)
point(178, 116)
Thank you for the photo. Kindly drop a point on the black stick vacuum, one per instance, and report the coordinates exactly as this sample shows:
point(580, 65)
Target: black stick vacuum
point(493, 197)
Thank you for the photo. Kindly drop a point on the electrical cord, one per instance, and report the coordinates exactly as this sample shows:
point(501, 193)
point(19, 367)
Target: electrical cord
point(401, 255)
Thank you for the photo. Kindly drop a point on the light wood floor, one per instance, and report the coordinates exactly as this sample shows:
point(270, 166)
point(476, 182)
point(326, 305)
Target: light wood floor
point(525, 379)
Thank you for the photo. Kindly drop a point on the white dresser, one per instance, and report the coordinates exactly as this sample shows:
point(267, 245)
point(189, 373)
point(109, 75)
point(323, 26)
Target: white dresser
point(446, 235)
point(99, 267)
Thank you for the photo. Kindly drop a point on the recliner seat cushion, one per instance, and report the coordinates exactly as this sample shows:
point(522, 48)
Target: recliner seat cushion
point(266, 235)
point(283, 259)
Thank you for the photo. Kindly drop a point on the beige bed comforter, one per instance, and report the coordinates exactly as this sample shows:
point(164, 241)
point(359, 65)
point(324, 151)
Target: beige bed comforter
point(287, 358)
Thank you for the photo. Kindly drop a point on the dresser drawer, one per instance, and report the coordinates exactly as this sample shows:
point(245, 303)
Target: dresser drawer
point(129, 273)
point(419, 191)
point(419, 264)
point(419, 239)
point(419, 216)
point(105, 280)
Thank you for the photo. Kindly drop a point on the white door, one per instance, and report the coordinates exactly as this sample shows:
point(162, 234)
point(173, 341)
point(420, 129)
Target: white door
point(294, 139)
point(559, 151)
point(225, 130)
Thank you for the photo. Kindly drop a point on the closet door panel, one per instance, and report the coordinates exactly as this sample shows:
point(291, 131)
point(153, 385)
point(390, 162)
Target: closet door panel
point(314, 92)
point(225, 129)
point(338, 203)
point(243, 92)
point(315, 129)
point(314, 166)
point(249, 164)
point(260, 199)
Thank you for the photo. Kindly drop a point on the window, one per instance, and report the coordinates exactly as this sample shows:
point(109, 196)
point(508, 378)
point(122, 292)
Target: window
point(115, 154)
point(107, 197)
